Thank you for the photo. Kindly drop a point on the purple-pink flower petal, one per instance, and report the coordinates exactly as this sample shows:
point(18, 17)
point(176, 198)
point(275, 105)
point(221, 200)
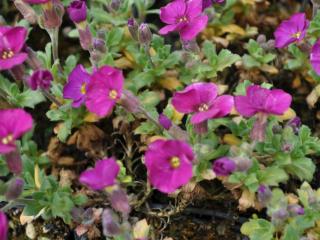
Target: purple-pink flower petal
point(13, 124)
point(291, 30)
point(104, 90)
point(173, 11)
point(76, 88)
point(169, 164)
point(315, 57)
point(262, 100)
point(3, 226)
point(186, 17)
point(104, 174)
point(191, 30)
point(40, 79)
point(12, 39)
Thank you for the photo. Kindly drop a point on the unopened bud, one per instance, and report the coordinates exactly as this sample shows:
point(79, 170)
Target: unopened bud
point(133, 28)
point(243, 163)
point(110, 223)
point(52, 14)
point(86, 39)
point(115, 5)
point(14, 162)
point(26, 10)
point(165, 121)
point(191, 46)
point(119, 201)
point(145, 35)
point(295, 209)
point(99, 45)
point(14, 189)
point(280, 215)
point(264, 194)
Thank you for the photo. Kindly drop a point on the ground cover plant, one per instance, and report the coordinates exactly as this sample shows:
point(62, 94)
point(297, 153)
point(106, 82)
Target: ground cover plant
point(138, 120)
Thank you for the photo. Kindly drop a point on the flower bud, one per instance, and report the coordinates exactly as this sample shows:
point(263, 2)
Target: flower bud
point(224, 166)
point(165, 121)
point(110, 223)
point(99, 45)
point(77, 11)
point(14, 189)
point(295, 209)
point(264, 194)
point(40, 79)
point(26, 10)
point(279, 216)
point(243, 163)
point(53, 12)
point(295, 124)
point(85, 36)
point(119, 201)
point(14, 162)
point(101, 34)
point(145, 35)
point(133, 28)
point(191, 46)
point(115, 5)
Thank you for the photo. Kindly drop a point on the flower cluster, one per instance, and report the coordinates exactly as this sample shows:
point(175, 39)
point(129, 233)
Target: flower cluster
point(99, 91)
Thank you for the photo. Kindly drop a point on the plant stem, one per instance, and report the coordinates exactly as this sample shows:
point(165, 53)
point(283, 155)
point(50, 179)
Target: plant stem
point(51, 97)
point(315, 8)
point(54, 36)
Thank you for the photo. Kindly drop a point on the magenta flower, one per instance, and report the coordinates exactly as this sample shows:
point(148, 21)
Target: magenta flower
point(185, 17)
point(103, 175)
point(104, 90)
point(76, 88)
point(77, 11)
point(262, 100)
point(201, 99)
point(224, 166)
point(292, 30)
point(315, 57)
point(13, 124)
point(12, 39)
point(3, 226)
point(40, 79)
point(169, 164)
point(36, 1)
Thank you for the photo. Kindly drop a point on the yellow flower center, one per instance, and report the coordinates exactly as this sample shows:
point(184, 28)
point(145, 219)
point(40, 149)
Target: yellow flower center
point(7, 54)
point(183, 19)
point(175, 162)
point(8, 139)
point(297, 35)
point(113, 94)
point(203, 107)
point(83, 88)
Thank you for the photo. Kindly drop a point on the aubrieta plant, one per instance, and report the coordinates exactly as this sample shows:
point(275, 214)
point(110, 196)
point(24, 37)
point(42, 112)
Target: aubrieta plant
point(154, 109)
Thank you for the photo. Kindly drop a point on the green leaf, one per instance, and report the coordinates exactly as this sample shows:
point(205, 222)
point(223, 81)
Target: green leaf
point(258, 229)
point(272, 176)
point(303, 168)
point(146, 128)
point(65, 130)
